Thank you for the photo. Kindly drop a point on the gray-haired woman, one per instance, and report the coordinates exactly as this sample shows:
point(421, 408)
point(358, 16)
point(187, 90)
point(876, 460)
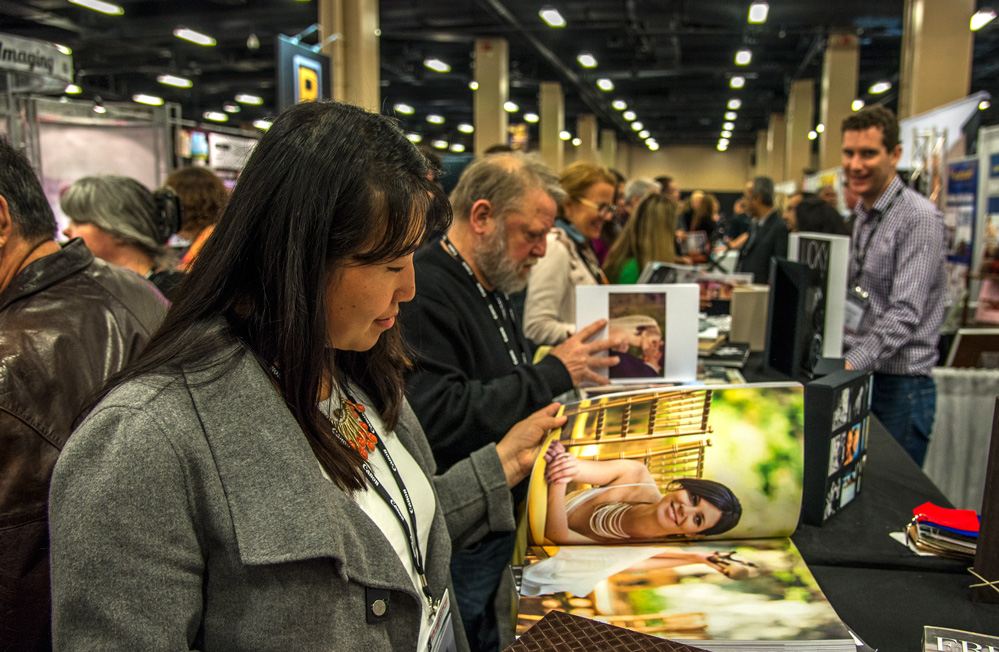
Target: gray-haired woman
point(124, 223)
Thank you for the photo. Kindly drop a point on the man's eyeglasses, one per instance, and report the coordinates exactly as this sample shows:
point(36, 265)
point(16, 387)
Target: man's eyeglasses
point(603, 209)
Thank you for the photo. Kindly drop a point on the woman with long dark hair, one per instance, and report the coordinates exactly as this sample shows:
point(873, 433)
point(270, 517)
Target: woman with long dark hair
point(255, 479)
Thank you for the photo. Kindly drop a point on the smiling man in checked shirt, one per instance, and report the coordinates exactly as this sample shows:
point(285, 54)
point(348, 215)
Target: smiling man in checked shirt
point(896, 296)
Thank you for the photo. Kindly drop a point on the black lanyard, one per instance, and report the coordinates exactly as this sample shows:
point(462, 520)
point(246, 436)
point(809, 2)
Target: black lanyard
point(507, 313)
point(861, 257)
point(408, 524)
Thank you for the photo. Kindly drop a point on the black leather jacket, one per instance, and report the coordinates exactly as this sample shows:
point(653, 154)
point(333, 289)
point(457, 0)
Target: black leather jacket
point(67, 322)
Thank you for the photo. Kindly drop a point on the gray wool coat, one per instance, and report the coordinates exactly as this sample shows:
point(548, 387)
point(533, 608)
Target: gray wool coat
point(189, 513)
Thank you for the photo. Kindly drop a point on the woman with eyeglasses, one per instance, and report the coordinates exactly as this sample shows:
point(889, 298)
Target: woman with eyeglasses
point(550, 307)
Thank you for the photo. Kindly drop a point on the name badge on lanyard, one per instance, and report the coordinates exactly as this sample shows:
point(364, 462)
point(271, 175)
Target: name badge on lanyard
point(442, 629)
point(857, 302)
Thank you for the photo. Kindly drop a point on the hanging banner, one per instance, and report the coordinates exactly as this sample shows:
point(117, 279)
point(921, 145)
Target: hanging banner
point(36, 65)
point(959, 213)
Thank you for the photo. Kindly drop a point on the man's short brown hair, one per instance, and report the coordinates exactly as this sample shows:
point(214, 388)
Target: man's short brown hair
point(875, 116)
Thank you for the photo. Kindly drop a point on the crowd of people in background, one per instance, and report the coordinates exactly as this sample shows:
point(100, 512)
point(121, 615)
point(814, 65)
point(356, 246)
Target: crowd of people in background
point(227, 444)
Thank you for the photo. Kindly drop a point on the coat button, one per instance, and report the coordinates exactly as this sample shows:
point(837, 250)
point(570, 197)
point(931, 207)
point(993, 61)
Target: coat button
point(378, 607)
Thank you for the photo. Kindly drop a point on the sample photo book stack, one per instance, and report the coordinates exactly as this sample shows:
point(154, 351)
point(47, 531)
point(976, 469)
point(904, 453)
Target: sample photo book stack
point(668, 511)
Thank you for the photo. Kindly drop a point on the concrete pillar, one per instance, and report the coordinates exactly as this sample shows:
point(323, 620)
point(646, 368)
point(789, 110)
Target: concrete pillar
point(492, 65)
point(586, 131)
point(762, 155)
point(776, 137)
point(355, 52)
point(608, 148)
point(552, 107)
point(839, 89)
point(936, 54)
point(800, 120)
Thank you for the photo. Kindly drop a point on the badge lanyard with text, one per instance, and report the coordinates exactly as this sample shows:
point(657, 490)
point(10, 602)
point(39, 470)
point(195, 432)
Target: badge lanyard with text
point(857, 298)
point(508, 338)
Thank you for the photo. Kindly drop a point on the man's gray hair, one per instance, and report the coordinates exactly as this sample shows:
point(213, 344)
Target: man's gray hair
point(503, 180)
point(640, 187)
point(763, 187)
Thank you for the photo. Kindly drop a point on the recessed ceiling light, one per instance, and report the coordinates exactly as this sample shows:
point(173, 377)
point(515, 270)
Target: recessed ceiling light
point(243, 98)
point(857, 105)
point(637, 126)
point(654, 146)
point(879, 87)
point(564, 135)
point(262, 124)
point(151, 100)
point(820, 128)
point(728, 126)
point(174, 80)
point(215, 116)
point(73, 89)
point(510, 107)
point(474, 85)
point(984, 104)
point(731, 115)
point(737, 82)
point(231, 107)
point(103, 7)
point(414, 138)
point(982, 18)
point(629, 115)
point(743, 57)
point(605, 84)
point(193, 36)
point(99, 107)
point(531, 117)
point(734, 103)
point(465, 128)
point(404, 109)
point(644, 133)
point(551, 16)
point(63, 48)
point(576, 142)
point(457, 147)
point(437, 65)
point(722, 146)
point(586, 60)
point(620, 105)
point(812, 135)
point(440, 144)
point(435, 119)
point(726, 134)
point(758, 12)
point(723, 141)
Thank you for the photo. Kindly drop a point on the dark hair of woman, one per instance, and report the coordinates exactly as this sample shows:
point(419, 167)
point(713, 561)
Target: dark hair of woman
point(815, 215)
point(718, 495)
point(329, 185)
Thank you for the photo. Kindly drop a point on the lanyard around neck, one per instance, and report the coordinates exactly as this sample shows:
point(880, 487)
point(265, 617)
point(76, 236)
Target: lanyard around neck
point(491, 304)
point(860, 257)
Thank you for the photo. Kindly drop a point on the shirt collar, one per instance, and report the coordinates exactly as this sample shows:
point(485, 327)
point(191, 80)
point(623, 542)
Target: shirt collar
point(882, 202)
point(570, 230)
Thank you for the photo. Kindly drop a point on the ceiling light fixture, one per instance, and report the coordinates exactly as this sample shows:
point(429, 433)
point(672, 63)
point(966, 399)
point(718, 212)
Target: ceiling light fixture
point(653, 146)
point(605, 84)
point(103, 7)
point(73, 89)
point(726, 134)
point(731, 115)
point(531, 117)
point(243, 98)
point(174, 80)
point(576, 142)
point(551, 16)
point(465, 128)
point(99, 105)
point(737, 82)
point(262, 124)
point(728, 126)
point(637, 126)
point(252, 42)
point(587, 60)
point(440, 144)
point(734, 103)
point(404, 109)
point(436, 65)
point(722, 146)
point(215, 116)
point(629, 115)
point(231, 107)
point(857, 105)
point(510, 107)
point(812, 135)
point(758, 12)
point(743, 57)
point(414, 138)
point(982, 18)
point(193, 36)
point(644, 133)
point(984, 104)
point(564, 135)
point(474, 85)
point(63, 48)
point(435, 119)
point(620, 105)
point(151, 100)
point(457, 148)
point(879, 88)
